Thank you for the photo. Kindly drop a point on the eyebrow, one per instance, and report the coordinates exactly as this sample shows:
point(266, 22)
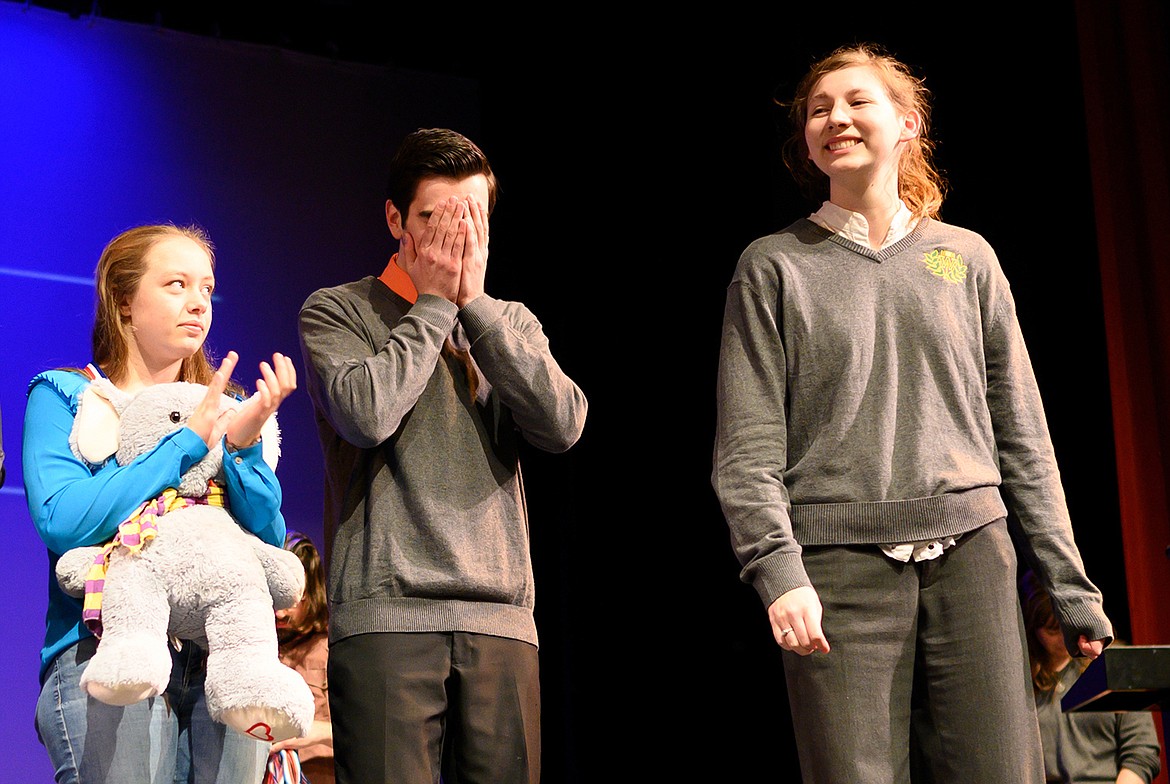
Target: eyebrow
point(174, 273)
point(848, 94)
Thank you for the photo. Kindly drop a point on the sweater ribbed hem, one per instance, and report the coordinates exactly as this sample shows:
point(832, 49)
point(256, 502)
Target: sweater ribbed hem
point(890, 522)
point(363, 616)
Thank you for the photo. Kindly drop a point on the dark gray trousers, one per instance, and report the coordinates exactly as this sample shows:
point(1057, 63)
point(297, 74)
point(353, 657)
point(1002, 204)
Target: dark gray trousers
point(955, 624)
point(409, 705)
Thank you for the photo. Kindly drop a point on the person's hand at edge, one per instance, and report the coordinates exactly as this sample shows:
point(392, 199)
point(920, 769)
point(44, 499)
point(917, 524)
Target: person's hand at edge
point(320, 732)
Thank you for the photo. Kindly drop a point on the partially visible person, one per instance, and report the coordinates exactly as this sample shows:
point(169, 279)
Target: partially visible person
point(877, 417)
point(1080, 747)
point(303, 634)
point(1, 458)
point(424, 387)
point(154, 287)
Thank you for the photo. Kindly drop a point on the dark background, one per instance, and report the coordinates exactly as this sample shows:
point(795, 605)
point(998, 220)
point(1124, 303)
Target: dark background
point(638, 154)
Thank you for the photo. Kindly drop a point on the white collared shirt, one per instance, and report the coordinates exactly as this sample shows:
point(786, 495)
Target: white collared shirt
point(854, 227)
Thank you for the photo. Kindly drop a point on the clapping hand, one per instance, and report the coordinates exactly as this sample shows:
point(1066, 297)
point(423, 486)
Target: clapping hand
point(242, 425)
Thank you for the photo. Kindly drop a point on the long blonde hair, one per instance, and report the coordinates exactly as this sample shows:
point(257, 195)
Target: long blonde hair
point(117, 278)
point(920, 185)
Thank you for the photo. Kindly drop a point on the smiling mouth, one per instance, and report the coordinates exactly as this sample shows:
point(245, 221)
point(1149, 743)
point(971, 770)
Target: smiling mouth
point(841, 145)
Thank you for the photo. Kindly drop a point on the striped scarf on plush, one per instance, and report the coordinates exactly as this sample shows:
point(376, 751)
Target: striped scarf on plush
point(133, 534)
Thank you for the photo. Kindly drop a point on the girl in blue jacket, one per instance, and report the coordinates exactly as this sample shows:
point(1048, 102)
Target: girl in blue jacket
point(154, 286)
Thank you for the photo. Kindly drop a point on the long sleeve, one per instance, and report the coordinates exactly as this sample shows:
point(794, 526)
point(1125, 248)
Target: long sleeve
point(512, 352)
point(426, 525)
point(751, 441)
point(1138, 748)
point(862, 397)
point(73, 503)
point(73, 506)
point(254, 494)
point(1093, 746)
point(361, 384)
point(1031, 482)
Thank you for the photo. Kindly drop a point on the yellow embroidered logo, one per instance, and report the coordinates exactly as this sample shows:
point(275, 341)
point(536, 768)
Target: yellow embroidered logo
point(946, 264)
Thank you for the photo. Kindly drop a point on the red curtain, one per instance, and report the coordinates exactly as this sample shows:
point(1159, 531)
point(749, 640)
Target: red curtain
point(1126, 76)
point(1127, 91)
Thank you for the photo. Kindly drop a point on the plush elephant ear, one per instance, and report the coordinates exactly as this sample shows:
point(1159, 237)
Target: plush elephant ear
point(270, 441)
point(95, 428)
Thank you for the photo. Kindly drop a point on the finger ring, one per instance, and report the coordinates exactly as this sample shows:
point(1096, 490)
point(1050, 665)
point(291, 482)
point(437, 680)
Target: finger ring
point(786, 631)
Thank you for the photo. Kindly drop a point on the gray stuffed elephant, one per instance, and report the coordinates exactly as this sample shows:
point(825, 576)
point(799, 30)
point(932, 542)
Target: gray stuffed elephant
point(201, 577)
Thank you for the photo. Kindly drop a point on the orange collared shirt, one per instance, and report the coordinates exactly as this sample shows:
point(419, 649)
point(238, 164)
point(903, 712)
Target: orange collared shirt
point(398, 281)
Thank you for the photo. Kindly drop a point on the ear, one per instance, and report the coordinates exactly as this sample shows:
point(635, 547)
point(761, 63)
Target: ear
point(911, 125)
point(95, 428)
point(395, 220)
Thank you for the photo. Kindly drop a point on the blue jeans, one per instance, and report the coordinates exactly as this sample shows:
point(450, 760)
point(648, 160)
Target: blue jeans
point(169, 739)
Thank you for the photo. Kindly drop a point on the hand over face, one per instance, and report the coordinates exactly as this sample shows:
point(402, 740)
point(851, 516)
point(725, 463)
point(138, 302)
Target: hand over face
point(434, 259)
point(475, 252)
point(443, 236)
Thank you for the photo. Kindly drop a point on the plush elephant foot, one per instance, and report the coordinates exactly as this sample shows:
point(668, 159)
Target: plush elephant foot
point(266, 701)
point(264, 724)
point(125, 694)
point(126, 671)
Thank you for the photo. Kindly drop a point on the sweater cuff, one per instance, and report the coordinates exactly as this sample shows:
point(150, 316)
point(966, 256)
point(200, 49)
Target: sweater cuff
point(776, 575)
point(1087, 618)
point(436, 310)
point(480, 314)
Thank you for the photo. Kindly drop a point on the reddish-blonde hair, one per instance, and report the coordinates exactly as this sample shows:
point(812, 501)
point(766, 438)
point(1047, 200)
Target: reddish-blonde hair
point(117, 278)
point(920, 185)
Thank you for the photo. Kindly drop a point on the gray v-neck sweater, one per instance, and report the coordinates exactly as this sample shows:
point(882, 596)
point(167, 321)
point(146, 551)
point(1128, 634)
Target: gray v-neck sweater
point(425, 521)
point(869, 397)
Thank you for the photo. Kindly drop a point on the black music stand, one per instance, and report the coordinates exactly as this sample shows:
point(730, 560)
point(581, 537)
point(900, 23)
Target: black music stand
point(1122, 679)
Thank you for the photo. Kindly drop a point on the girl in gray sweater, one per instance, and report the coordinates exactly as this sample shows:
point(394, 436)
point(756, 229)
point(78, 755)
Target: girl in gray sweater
point(878, 416)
